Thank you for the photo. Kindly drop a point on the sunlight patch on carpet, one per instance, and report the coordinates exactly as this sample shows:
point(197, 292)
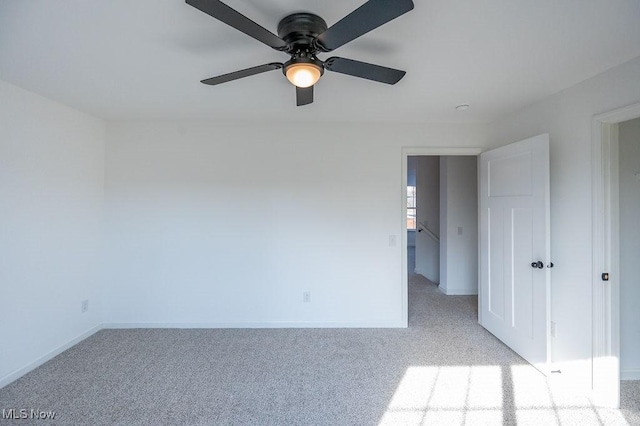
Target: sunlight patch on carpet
point(452, 395)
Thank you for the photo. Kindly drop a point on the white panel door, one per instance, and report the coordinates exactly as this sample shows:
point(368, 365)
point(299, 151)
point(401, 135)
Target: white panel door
point(514, 247)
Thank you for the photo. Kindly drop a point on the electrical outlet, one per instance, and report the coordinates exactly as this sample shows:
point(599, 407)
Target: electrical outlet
point(459, 230)
point(306, 297)
point(85, 306)
point(553, 329)
point(392, 241)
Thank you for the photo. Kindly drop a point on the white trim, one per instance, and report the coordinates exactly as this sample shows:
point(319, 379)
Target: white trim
point(274, 324)
point(405, 153)
point(605, 245)
point(440, 151)
point(626, 113)
point(479, 197)
point(632, 374)
point(11, 377)
point(458, 291)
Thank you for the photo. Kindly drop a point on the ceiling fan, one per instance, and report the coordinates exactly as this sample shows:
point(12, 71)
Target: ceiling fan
point(303, 35)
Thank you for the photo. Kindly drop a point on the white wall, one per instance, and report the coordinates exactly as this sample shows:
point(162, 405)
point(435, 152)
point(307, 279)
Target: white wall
point(411, 181)
point(411, 238)
point(567, 117)
point(228, 225)
point(51, 194)
point(411, 171)
point(458, 225)
point(428, 213)
point(629, 137)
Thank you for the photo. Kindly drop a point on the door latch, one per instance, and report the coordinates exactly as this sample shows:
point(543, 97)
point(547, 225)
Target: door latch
point(605, 276)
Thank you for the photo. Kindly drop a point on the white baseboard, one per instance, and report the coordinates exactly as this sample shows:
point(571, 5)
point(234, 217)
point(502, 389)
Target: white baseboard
point(284, 324)
point(4, 381)
point(275, 324)
point(458, 291)
point(630, 374)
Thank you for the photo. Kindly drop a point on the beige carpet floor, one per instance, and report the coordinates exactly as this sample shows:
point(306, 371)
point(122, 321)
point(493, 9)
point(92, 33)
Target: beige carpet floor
point(443, 370)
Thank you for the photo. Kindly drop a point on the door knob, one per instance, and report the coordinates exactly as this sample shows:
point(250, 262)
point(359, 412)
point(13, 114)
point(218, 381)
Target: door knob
point(537, 264)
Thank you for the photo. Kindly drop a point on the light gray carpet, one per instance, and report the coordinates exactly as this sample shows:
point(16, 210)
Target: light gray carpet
point(444, 369)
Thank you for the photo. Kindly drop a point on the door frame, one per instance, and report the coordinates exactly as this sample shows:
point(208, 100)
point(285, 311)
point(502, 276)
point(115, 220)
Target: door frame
point(606, 247)
point(406, 153)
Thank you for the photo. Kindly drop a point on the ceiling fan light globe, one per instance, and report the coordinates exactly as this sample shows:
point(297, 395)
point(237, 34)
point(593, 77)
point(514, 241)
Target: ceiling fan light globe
point(303, 75)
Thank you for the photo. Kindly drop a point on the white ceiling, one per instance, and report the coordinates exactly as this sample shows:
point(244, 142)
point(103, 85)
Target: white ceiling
point(143, 59)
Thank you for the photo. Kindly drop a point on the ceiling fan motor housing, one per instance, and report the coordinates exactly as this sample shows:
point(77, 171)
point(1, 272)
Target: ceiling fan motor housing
point(299, 30)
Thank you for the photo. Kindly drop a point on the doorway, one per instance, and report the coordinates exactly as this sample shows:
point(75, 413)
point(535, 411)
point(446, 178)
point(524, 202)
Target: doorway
point(423, 216)
point(512, 237)
point(442, 221)
point(616, 191)
point(629, 212)
point(428, 265)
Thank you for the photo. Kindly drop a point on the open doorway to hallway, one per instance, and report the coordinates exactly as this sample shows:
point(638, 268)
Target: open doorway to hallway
point(442, 221)
point(616, 205)
point(629, 243)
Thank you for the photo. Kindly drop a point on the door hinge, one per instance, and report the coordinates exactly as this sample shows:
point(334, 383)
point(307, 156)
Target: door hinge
point(605, 276)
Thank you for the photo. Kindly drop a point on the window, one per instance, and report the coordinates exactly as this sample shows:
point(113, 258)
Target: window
point(411, 208)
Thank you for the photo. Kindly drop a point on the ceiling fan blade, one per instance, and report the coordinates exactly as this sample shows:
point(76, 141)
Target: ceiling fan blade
point(367, 17)
point(231, 17)
point(304, 95)
point(364, 70)
point(242, 73)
